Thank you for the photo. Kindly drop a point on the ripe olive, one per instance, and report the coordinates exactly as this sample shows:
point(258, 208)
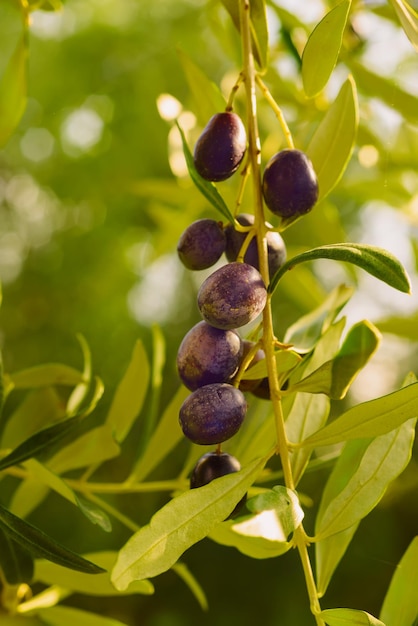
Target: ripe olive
point(232, 296)
point(213, 413)
point(213, 465)
point(201, 244)
point(290, 185)
point(208, 355)
point(221, 147)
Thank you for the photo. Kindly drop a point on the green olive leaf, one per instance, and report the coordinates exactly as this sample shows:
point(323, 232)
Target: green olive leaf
point(322, 49)
point(130, 394)
point(400, 605)
point(360, 478)
point(206, 94)
point(369, 419)
point(376, 261)
point(50, 374)
point(42, 545)
point(65, 615)
point(335, 376)
point(349, 617)
point(16, 563)
point(182, 522)
point(408, 18)
point(207, 188)
point(332, 144)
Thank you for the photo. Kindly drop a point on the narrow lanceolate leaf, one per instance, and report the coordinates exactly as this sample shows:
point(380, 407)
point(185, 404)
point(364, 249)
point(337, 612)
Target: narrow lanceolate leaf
point(408, 17)
point(360, 478)
point(40, 442)
point(333, 142)
point(207, 188)
point(328, 554)
point(369, 419)
point(165, 437)
point(46, 375)
point(400, 606)
point(130, 394)
point(376, 261)
point(349, 617)
point(206, 94)
point(45, 439)
point(13, 88)
point(306, 331)
point(258, 26)
point(182, 522)
point(65, 615)
point(322, 49)
point(49, 573)
point(41, 545)
point(335, 376)
point(16, 563)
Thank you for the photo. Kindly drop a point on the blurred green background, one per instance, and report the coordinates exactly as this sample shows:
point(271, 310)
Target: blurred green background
point(94, 195)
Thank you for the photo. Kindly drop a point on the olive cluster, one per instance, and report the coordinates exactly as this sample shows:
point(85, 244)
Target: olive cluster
point(233, 295)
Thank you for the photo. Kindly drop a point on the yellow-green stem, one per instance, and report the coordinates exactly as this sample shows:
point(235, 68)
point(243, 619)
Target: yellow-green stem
point(269, 339)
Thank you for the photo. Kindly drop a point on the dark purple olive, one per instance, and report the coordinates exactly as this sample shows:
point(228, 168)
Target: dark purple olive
point(212, 414)
point(213, 465)
point(276, 249)
point(221, 147)
point(201, 244)
point(290, 185)
point(208, 355)
point(232, 296)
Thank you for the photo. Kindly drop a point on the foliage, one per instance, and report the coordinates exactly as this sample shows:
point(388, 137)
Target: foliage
point(92, 209)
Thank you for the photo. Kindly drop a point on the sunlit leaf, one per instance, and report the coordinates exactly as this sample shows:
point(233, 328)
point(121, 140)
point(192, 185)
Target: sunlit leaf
point(182, 522)
point(207, 96)
point(400, 606)
point(93, 447)
point(369, 419)
point(335, 376)
point(322, 49)
point(130, 394)
point(207, 188)
point(16, 563)
point(41, 545)
point(328, 554)
point(308, 413)
point(80, 392)
point(360, 478)
point(285, 361)
point(165, 437)
point(45, 476)
point(46, 375)
point(333, 142)
point(376, 261)
point(50, 573)
point(40, 408)
point(256, 547)
point(13, 89)
point(349, 617)
point(408, 17)
point(305, 332)
point(65, 615)
point(45, 439)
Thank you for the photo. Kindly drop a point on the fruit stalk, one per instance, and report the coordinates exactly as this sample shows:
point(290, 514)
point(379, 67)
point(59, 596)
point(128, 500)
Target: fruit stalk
point(249, 74)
